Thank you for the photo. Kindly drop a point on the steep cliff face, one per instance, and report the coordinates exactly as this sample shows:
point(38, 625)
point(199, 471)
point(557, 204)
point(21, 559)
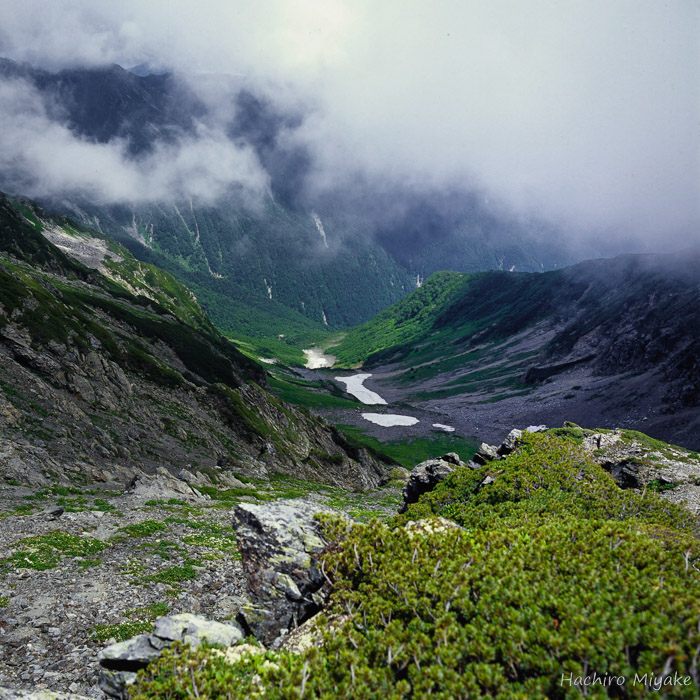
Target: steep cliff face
point(112, 369)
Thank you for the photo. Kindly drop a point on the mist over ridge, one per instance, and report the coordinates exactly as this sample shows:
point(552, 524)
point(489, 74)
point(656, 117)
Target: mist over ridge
point(579, 117)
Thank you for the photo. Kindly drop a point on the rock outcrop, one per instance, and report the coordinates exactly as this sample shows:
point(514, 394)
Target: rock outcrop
point(120, 662)
point(426, 475)
point(636, 462)
point(280, 545)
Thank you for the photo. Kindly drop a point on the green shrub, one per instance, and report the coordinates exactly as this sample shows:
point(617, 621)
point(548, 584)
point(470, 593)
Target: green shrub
point(173, 574)
point(548, 476)
point(470, 613)
point(555, 571)
point(143, 529)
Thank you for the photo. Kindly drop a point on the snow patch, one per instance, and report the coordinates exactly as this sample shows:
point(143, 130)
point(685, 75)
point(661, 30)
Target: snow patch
point(443, 428)
point(354, 386)
point(315, 359)
point(389, 419)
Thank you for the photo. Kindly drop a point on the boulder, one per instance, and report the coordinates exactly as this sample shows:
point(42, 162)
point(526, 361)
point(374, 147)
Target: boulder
point(427, 475)
point(162, 485)
point(280, 545)
point(510, 443)
point(120, 662)
point(193, 629)
point(486, 453)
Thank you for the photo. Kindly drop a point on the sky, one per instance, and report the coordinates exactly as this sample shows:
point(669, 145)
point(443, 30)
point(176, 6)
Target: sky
point(583, 112)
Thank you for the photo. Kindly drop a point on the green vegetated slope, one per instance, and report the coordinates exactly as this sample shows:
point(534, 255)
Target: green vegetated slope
point(272, 262)
point(406, 322)
point(116, 364)
point(596, 306)
point(540, 570)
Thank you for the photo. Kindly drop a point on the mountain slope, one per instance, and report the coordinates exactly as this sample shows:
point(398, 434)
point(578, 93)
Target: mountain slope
point(301, 257)
point(107, 373)
point(615, 339)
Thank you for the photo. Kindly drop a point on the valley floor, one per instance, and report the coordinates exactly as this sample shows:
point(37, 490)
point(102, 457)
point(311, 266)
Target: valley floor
point(484, 397)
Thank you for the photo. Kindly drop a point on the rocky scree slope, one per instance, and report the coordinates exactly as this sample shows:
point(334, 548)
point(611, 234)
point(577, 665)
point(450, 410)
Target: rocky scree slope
point(113, 561)
point(106, 372)
point(610, 341)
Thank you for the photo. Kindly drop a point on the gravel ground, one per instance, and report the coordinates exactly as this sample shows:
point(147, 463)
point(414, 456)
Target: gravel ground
point(46, 628)
point(115, 548)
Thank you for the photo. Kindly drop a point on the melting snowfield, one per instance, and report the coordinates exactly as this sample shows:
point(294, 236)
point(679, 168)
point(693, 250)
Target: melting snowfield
point(315, 359)
point(354, 386)
point(443, 428)
point(389, 419)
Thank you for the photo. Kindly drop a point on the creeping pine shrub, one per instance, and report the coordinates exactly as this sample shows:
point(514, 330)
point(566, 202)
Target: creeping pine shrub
point(555, 571)
point(547, 477)
point(471, 613)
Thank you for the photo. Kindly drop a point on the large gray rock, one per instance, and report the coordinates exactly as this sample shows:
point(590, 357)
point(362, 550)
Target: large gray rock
point(280, 545)
point(486, 453)
point(427, 475)
point(194, 629)
point(121, 661)
point(639, 464)
point(510, 442)
point(162, 485)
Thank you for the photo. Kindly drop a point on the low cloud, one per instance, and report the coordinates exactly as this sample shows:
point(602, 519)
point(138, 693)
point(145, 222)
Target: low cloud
point(42, 157)
point(583, 113)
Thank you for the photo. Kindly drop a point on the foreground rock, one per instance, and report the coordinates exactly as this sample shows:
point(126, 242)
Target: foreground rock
point(120, 662)
point(280, 545)
point(427, 475)
point(637, 462)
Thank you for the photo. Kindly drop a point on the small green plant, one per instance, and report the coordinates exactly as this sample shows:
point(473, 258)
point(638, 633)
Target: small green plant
point(141, 621)
point(149, 612)
point(223, 543)
point(163, 548)
point(43, 552)
point(88, 563)
point(658, 485)
point(146, 528)
point(174, 574)
point(103, 505)
point(120, 632)
point(4, 601)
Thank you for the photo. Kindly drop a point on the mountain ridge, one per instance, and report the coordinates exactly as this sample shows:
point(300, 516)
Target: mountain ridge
point(377, 241)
